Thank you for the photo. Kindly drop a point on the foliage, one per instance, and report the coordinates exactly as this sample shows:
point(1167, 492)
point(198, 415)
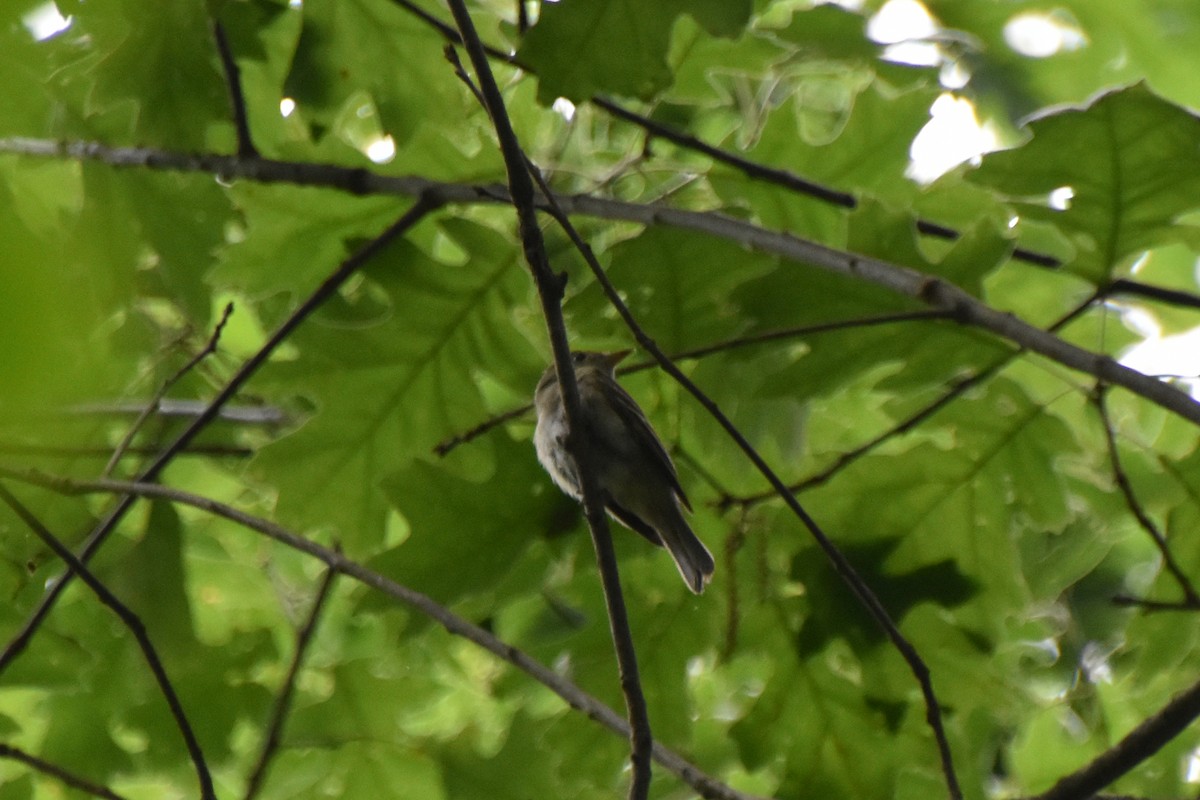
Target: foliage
point(994, 531)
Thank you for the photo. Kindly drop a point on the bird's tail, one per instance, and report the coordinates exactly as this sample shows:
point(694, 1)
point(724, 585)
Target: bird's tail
point(692, 558)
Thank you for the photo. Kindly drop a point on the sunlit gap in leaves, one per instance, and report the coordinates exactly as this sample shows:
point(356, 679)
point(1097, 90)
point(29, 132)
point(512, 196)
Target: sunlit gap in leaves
point(1176, 356)
point(564, 108)
point(381, 150)
point(44, 21)
point(954, 135)
point(1192, 773)
point(1041, 34)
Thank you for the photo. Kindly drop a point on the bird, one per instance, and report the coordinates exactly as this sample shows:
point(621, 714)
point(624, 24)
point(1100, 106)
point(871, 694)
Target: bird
point(636, 476)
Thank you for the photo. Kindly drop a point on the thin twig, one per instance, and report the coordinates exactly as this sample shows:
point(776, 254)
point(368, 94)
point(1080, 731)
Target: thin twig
point(268, 416)
point(424, 205)
point(1190, 597)
point(1138, 745)
point(549, 289)
point(733, 545)
point(70, 779)
point(98, 451)
point(446, 445)
point(209, 348)
point(842, 566)
point(575, 697)
point(283, 702)
point(135, 626)
point(1154, 606)
point(237, 98)
point(1174, 297)
point(460, 72)
point(928, 289)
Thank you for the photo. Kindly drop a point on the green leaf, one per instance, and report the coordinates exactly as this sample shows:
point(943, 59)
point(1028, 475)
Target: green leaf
point(387, 388)
point(601, 47)
point(1127, 160)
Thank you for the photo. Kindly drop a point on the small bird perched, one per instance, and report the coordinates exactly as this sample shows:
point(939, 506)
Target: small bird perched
point(640, 486)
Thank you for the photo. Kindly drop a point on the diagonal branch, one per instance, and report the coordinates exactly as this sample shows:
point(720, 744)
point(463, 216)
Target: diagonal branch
point(866, 596)
point(1138, 745)
point(425, 204)
point(283, 703)
point(70, 779)
point(707, 786)
point(209, 348)
point(928, 289)
point(135, 626)
point(549, 289)
point(237, 98)
point(1190, 598)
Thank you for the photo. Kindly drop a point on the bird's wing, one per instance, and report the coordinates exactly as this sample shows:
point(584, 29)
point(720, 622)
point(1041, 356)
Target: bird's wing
point(631, 414)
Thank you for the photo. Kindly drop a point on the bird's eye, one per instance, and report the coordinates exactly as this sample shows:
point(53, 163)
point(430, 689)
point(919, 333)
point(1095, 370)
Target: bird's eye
point(578, 358)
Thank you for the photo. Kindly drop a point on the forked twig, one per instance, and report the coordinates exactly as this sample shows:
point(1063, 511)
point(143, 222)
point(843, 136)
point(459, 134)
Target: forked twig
point(209, 348)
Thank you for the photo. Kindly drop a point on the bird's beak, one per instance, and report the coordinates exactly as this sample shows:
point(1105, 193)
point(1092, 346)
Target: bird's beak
point(612, 359)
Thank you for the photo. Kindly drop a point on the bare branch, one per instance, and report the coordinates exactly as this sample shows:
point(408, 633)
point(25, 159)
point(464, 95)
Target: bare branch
point(237, 98)
point(1138, 745)
point(135, 626)
point(72, 780)
point(1154, 606)
point(932, 291)
point(752, 169)
point(1173, 297)
point(1190, 598)
point(97, 451)
point(549, 289)
point(283, 702)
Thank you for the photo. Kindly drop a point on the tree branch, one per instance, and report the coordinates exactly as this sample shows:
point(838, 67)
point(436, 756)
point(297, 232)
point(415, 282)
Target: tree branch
point(237, 98)
point(70, 779)
point(1138, 745)
point(1190, 598)
point(1173, 297)
point(283, 703)
point(707, 786)
point(135, 626)
point(930, 290)
point(424, 205)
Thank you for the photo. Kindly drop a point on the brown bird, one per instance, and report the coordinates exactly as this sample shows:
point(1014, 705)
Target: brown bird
point(641, 488)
